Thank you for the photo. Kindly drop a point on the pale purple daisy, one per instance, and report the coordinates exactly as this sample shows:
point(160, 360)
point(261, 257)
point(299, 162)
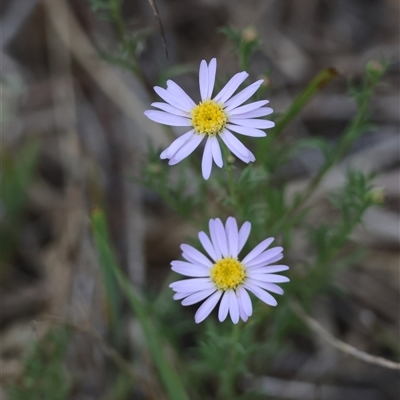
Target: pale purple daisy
point(213, 118)
point(222, 276)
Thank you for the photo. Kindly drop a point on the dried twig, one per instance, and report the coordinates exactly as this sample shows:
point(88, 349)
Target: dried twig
point(156, 13)
point(317, 328)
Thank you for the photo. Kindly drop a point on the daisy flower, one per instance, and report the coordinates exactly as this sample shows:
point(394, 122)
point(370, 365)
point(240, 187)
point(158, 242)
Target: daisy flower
point(221, 275)
point(211, 118)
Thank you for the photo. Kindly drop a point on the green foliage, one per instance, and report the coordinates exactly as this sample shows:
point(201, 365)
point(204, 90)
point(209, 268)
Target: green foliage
point(245, 43)
point(109, 10)
point(102, 7)
point(183, 192)
point(219, 358)
point(253, 193)
point(122, 388)
point(125, 56)
point(362, 95)
point(313, 143)
point(45, 375)
point(213, 356)
point(222, 355)
point(354, 198)
point(253, 183)
point(16, 175)
point(329, 238)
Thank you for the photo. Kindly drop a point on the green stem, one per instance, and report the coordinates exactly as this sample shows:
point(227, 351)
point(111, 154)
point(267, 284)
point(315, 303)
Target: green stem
point(115, 7)
point(231, 185)
point(231, 178)
point(314, 87)
point(228, 377)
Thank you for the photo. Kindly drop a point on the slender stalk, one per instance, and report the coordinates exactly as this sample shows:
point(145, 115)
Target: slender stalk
point(115, 7)
point(231, 177)
point(231, 185)
point(227, 387)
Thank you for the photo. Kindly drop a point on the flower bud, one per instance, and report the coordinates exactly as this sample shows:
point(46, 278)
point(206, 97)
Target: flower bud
point(249, 34)
point(377, 196)
point(230, 159)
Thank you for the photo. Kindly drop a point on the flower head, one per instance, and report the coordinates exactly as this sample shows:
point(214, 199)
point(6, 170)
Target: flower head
point(212, 118)
point(221, 275)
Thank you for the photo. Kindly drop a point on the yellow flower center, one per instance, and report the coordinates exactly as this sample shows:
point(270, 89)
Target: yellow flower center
point(209, 118)
point(228, 273)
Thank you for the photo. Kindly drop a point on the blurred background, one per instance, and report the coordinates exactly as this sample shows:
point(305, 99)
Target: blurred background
point(73, 133)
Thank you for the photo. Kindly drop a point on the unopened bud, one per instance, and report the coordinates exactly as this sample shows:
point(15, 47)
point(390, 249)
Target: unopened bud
point(249, 34)
point(230, 159)
point(154, 168)
point(374, 66)
point(266, 81)
point(377, 196)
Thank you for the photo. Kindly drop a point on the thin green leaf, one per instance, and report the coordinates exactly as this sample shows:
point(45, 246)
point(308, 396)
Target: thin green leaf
point(168, 374)
point(313, 88)
point(107, 260)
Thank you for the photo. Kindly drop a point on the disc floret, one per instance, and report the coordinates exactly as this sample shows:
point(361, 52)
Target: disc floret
point(228, 273)
point(209, 118)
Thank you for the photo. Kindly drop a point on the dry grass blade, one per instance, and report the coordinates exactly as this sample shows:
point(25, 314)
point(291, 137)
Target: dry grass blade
point(156, 13)
point(317, 328)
